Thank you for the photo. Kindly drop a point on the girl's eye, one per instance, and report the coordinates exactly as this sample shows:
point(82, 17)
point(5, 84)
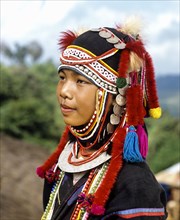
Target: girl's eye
point(61, 77)
point(81, 81)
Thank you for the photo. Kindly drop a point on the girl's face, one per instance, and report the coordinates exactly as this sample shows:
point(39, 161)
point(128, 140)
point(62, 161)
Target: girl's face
point(77, 97)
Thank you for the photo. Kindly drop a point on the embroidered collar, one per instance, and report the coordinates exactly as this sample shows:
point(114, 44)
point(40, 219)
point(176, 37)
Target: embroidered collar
point(66, 167)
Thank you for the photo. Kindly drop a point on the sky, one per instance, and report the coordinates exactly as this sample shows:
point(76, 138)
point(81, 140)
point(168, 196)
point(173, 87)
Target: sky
point(23, 21)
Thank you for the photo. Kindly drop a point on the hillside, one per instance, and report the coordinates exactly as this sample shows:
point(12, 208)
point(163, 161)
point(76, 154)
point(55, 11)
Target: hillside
point(168, 90)
point(21, 189)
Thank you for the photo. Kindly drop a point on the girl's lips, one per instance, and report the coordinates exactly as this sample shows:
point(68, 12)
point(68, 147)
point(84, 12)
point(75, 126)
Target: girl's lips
point(66, 109)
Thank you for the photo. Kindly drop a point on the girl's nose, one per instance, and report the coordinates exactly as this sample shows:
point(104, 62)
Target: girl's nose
point(66, 91)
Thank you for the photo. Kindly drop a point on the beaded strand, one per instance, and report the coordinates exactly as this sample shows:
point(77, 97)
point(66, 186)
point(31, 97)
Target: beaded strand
point(94, 180)
point(50, 206)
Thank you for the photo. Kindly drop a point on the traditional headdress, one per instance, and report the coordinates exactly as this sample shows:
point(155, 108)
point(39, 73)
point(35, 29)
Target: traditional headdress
point(115, 60)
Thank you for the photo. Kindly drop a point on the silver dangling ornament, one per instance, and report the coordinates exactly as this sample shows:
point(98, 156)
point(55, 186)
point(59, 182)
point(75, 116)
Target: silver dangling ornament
point(114, 119)
point(110, 128)
point(120, 100)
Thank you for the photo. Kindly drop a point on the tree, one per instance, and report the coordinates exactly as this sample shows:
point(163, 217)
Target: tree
point(21, 53)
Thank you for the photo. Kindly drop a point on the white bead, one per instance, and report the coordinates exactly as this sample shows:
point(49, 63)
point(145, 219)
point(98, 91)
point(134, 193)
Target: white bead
point(94, 77)
point(98, 80)
point(86, 70)
point(90, 73)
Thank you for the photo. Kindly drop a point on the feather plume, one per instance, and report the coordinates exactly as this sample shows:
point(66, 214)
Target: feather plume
point(132, 26)
point(66, 38)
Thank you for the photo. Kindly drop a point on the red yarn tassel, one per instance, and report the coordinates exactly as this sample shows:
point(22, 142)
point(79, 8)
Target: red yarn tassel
point(66, 39)
point(54, 156)
point(137, 47)
point(102, 194)
point(123, 63)
point(151, 83)
point(132, 102)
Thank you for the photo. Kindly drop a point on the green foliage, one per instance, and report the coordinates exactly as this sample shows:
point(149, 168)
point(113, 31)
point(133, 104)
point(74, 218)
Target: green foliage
point(28, 102)
point(164, 142)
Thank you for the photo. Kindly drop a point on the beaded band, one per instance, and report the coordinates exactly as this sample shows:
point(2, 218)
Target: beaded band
point(97, 71)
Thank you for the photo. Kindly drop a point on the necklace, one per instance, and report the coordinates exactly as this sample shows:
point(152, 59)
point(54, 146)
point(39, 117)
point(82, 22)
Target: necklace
point(85, 198)
point(52, 198)
point(90, 157)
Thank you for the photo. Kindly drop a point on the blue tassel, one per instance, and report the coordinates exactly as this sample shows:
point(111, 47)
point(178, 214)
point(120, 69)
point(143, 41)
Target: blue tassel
point(131, 147)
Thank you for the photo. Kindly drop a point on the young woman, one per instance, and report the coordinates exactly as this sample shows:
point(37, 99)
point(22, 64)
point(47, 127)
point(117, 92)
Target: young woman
point(98, 170)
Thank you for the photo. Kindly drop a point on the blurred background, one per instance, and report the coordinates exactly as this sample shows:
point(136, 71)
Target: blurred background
point(30, 120)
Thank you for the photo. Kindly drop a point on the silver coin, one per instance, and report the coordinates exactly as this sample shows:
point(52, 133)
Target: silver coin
point(113, 40)
point(96, 29)
point(120, 45)
point(104, 34)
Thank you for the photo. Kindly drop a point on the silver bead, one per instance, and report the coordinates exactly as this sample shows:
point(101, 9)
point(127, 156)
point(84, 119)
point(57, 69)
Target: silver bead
point(120, 100)
point(122, 91)
point(110, 128)
point(117, 109)
point(114, 119)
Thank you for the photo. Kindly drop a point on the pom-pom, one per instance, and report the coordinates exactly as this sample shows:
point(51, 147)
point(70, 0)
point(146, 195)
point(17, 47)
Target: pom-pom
point(155, 112)
point(40, 172)
point(121, 82)
point(143, 141)
point(131, 147)
point(97, 210)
